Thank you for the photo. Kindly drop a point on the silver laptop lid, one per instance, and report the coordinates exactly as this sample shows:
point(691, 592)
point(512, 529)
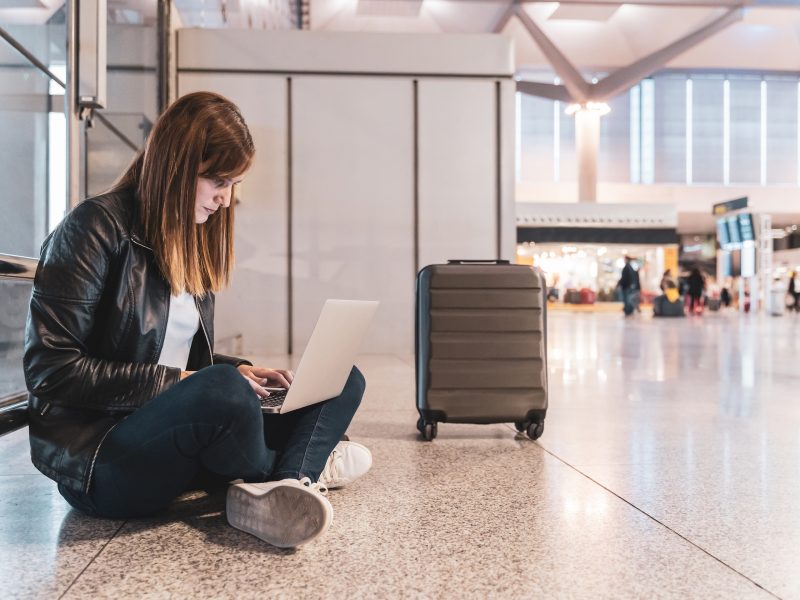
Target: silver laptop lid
point(330, 353)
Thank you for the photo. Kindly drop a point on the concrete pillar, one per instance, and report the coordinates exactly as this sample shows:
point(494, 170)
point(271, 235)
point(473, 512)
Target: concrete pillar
point(587, 142)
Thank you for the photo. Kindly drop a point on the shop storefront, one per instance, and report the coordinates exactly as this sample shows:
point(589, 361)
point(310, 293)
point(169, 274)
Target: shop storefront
point(582, 248)
point(597, 267)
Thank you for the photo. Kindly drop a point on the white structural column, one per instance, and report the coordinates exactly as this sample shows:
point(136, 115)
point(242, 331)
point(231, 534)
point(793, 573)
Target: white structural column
point(587, 142)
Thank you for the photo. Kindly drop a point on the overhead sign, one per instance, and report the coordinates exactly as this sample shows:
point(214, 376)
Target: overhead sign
point(724, 208)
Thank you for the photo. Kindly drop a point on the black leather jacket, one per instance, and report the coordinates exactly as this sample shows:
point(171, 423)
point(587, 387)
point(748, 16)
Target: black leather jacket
point(96, 326)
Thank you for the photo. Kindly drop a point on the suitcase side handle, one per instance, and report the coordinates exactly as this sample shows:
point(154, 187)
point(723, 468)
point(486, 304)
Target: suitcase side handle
point(467, 261)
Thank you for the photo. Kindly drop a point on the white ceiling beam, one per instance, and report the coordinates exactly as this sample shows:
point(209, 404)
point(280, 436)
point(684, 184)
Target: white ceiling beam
point(674, 3)
point(677, 3)
point(545, 90)
point(503, 19)
point(576, 85)
point(627, 77)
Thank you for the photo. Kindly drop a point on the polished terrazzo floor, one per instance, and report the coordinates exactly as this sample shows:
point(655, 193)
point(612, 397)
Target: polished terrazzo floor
point(669, 468)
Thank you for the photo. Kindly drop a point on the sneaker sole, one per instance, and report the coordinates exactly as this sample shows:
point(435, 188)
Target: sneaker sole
point(285, 516)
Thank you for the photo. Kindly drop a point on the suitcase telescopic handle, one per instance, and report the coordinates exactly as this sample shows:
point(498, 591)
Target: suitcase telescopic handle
point(489, 261)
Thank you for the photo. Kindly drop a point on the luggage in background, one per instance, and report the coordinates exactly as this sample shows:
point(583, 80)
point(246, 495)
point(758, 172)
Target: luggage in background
point(481, 351)
point(588, 296)
point(662, 307)
point(713, 304)
point(572, 296)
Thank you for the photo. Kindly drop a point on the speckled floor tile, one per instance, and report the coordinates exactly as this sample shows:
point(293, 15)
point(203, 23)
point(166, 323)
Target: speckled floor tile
point(44, 544)
point(479, 513)
point(744, 513)
point(15, 453)
point(693, 421)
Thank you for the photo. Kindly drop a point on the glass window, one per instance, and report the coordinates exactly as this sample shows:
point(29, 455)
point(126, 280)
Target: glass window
point(615, 142)
point(537, 128)
point(745, 130)
point(782, 130)
point(670, 128)
point(707, 128)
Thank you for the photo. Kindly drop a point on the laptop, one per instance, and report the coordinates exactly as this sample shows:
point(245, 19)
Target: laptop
point(328, 358)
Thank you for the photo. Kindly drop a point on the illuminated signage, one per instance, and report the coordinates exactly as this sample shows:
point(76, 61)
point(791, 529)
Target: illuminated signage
point(724, 208)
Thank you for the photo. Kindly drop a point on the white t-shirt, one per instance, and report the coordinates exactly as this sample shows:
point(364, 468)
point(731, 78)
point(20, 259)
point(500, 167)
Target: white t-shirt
point(182, 325)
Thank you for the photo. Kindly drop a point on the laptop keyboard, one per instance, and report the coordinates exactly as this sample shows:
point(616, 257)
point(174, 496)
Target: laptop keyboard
point(275, 399)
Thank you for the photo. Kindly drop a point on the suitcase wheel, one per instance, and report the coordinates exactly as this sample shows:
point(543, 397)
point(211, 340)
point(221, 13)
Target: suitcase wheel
point(421, 425)
point(429, 431)
point(521, 427)
point(535, 430)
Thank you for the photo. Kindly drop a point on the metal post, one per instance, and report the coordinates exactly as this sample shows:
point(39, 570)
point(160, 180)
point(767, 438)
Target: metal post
point(71, 107)
point(163, 35)
point(765, 260)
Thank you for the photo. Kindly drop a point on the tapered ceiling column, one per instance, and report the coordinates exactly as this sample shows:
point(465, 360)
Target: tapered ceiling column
point(587, 142)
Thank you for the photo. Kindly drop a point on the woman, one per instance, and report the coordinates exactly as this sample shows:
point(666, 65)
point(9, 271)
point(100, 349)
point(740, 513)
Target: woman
point(129, 406)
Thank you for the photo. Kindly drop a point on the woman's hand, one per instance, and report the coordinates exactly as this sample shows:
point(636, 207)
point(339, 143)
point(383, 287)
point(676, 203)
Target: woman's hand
point(261, 377)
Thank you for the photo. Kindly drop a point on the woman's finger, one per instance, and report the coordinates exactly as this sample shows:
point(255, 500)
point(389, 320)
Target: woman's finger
point(260, 392)
point(277, 376)
point(289, 375)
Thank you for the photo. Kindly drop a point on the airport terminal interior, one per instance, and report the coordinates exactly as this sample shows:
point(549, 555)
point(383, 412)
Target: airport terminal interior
point(579, 220)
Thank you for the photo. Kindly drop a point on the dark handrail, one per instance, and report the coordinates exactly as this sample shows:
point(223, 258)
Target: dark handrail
point(17, 267)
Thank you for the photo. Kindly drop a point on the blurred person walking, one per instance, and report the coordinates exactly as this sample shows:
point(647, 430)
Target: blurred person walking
point(793, 292)
point(629, 285)
point(697, 287)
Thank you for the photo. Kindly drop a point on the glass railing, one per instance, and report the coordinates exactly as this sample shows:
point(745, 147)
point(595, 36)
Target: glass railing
point(29, 151)
point(111, 144)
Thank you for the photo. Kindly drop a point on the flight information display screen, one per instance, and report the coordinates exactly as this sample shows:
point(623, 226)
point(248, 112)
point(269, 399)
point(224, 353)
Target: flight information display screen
point(733, 230)
point(722, 233)
point(746, 231)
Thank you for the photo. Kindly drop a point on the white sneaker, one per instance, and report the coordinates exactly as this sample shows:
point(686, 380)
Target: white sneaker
point(347, 462)
point(286, 514)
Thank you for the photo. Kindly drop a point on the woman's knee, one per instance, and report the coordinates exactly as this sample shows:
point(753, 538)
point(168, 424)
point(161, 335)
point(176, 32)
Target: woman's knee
point(223, 388)
point(354, 388)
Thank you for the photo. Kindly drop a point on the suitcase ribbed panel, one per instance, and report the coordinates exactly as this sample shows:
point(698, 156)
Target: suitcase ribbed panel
point(485, 298)
point(482, 277)
point(481, 342)
point(486, 346)
point(500, 373)
point(510, 319)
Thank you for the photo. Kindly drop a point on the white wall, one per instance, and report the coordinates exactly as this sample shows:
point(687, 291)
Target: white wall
point(457, 171)
point(353, 221)
point(256, 304)
point(351, 204)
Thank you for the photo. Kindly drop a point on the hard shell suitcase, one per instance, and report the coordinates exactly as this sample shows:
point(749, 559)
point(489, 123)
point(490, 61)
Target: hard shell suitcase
point(481, 351)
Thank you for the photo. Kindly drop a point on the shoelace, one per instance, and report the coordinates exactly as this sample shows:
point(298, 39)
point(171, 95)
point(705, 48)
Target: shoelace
point(331, 470)
point(317, 487)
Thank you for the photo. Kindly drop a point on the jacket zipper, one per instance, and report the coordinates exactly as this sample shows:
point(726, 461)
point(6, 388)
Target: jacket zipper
point(205, 334)
point(141, 244)
point(94, 458)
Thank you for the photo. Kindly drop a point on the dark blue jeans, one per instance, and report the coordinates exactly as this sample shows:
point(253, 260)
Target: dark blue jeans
point(210, 428)
point(630, 297)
